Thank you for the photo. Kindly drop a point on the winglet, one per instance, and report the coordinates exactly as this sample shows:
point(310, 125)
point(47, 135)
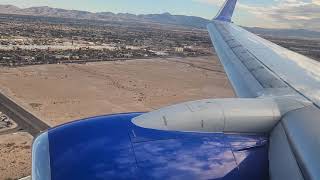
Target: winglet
point(226, 12)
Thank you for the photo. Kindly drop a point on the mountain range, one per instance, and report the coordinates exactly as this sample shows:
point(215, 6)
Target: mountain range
point(165, 18)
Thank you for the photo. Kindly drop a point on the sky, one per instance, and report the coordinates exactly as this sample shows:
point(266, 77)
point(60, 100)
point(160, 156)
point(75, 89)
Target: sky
point(299, 14)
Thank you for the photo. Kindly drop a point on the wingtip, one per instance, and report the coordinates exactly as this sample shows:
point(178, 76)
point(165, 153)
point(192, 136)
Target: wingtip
point(226, 12)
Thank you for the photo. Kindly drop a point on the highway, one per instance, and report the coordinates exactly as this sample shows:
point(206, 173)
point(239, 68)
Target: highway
point(25, 120)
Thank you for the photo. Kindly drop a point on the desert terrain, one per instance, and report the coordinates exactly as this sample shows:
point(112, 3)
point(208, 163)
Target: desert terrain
point(61, 93)
point(15, 156)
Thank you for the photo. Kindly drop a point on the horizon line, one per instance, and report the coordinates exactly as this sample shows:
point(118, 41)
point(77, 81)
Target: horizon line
point(117, 13)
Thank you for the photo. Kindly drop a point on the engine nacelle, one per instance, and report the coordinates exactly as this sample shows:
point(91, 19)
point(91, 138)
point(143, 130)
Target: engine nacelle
point(220, 115)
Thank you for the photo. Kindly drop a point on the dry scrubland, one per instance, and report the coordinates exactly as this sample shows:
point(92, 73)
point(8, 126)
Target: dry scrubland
point(61, 93)
point(15, 156)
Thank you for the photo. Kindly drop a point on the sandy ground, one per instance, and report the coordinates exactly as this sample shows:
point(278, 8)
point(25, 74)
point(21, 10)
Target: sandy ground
point(15, 156)
point(62, 93)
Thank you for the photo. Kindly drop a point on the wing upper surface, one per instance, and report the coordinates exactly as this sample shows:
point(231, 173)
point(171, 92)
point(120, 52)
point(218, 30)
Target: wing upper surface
point(258, 67)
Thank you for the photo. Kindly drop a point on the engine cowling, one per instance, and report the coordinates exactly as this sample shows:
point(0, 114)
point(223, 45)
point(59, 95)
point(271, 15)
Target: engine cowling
point(220, 115)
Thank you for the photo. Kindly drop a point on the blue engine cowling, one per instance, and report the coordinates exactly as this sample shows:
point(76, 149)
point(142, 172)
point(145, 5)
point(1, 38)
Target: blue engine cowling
point(112, 147)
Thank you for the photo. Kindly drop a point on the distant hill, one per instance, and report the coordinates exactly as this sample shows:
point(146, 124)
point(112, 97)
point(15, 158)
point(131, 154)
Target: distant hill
point(166, 18)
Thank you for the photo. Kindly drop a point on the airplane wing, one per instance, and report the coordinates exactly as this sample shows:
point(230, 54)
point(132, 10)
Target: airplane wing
point(257, 67)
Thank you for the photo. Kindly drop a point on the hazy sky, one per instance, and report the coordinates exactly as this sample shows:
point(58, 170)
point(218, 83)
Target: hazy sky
point(266, 13)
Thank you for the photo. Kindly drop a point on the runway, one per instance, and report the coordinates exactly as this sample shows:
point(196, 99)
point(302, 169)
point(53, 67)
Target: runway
point(25, 120)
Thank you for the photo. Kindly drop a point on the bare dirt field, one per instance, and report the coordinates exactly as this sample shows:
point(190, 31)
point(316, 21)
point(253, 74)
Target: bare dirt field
point(61, 93)
point(15, 155)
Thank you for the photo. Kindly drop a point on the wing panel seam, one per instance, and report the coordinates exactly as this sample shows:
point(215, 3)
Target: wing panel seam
point(273, 80)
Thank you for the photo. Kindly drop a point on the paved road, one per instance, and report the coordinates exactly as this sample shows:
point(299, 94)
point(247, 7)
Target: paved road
point(25, 120)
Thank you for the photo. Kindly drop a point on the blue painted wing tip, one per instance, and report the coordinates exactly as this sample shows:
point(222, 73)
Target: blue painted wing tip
point(226, 12)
